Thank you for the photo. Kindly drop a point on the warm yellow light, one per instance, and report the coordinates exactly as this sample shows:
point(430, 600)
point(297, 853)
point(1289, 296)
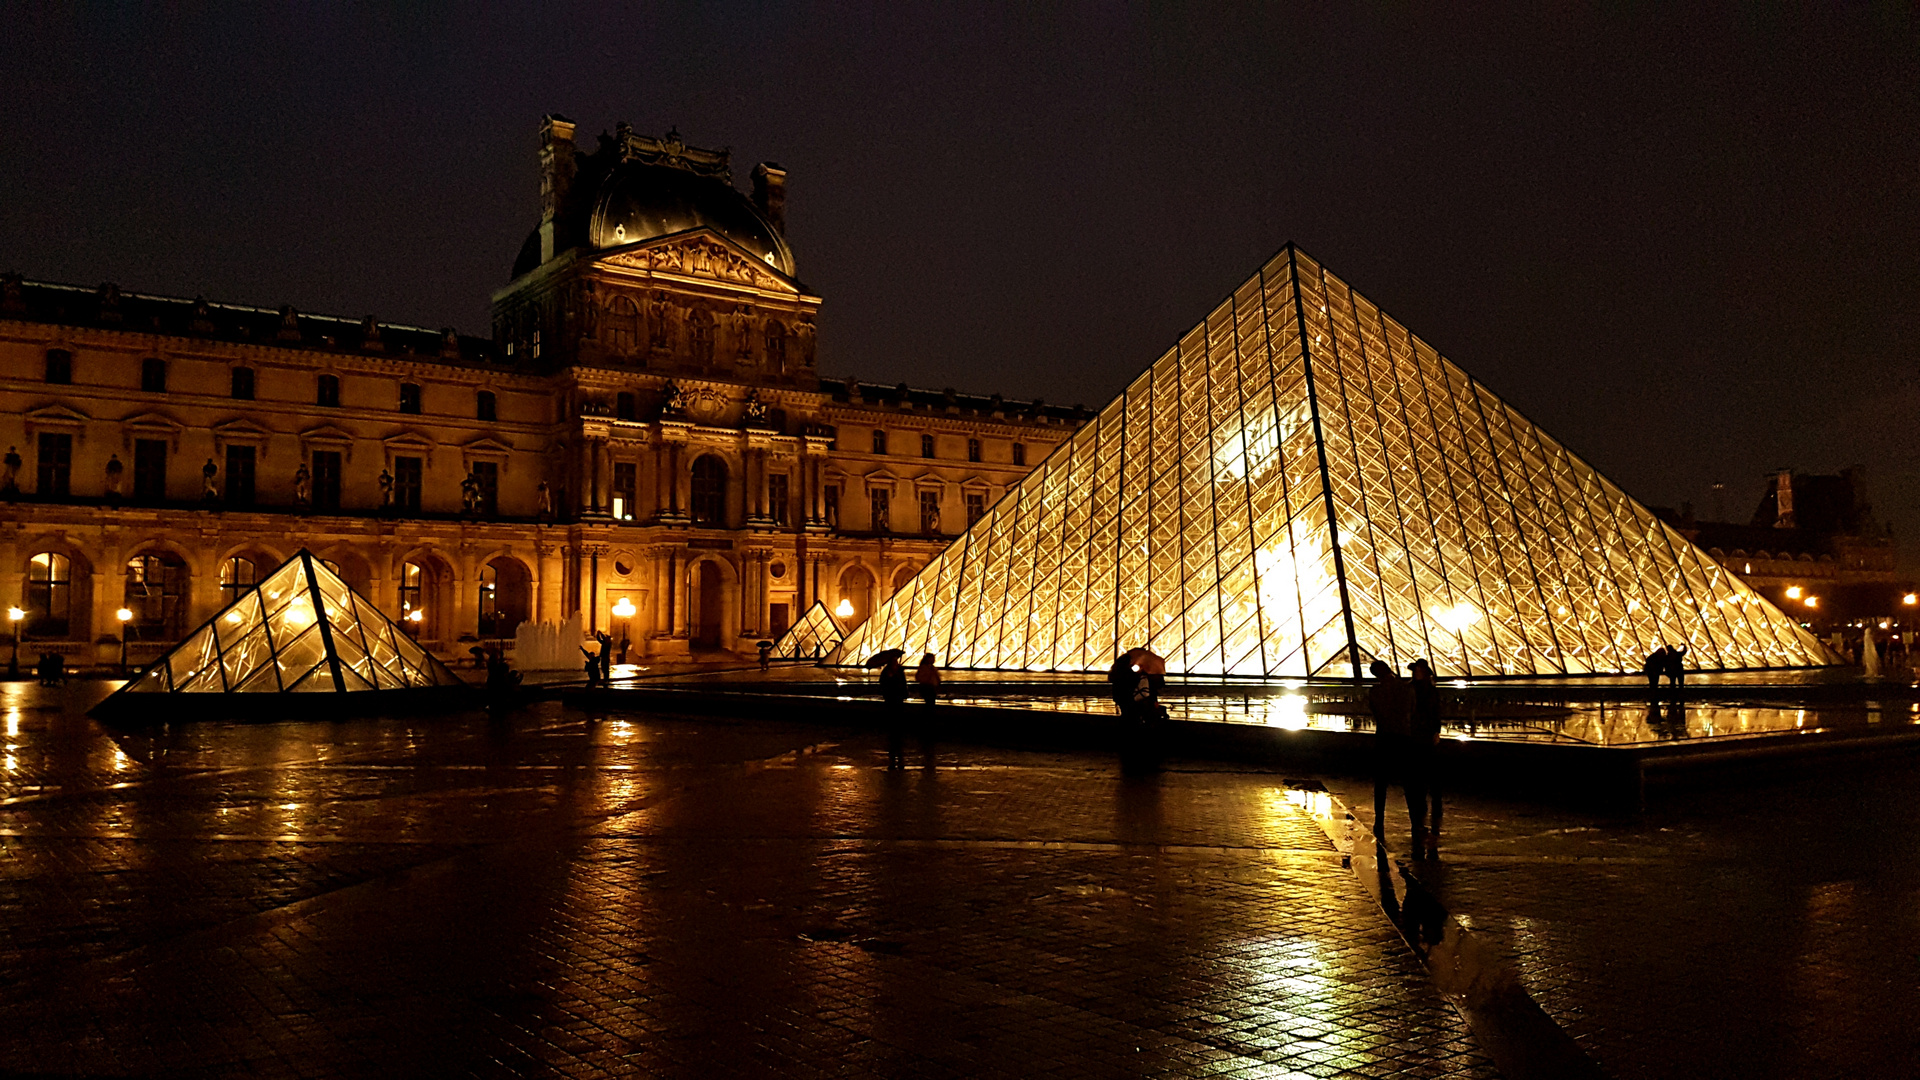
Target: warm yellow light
point(234, 617)
point(416, 615)
point(1811, 601)
point(14, 614)
point(123, 614)
point(624, 608)
point(1793, 592)
point(1910, 599)
point(844, 608)
point(1456, 618)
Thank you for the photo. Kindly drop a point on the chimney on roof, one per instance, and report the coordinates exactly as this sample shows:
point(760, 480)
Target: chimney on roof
point(556, 175)
point(770, 193)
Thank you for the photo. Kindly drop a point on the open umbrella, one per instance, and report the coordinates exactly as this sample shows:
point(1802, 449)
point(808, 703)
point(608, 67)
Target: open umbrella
point(884, 657)
point(1148, 661)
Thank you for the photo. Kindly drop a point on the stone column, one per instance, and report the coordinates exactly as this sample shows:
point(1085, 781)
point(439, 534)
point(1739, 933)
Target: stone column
point(662, 559)
point(549, 582)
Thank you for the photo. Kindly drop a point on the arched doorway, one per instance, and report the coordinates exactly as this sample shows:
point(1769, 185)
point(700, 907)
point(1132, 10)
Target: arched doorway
point(59, 598)
point(423, 594)
point(709, 491)
point(710, 609)
point(156, 594)
point(505, 586)
point(856, 588)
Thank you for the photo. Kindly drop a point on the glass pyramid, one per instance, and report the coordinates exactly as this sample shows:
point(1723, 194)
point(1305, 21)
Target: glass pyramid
point(813, 637)
point(1301, 486)
point(302, 630)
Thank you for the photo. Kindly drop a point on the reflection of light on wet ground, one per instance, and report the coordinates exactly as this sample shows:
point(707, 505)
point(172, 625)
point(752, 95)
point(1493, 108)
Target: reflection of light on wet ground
point(1317, 803)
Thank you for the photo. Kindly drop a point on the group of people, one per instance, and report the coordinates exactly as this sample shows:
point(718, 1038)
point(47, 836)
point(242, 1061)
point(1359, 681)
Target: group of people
point(893, 690)
point(600, 664)
point(1667, 660)
point(1406, 729)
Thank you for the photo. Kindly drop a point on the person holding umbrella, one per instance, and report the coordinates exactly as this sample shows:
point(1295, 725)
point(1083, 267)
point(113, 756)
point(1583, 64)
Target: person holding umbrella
point(893, 691)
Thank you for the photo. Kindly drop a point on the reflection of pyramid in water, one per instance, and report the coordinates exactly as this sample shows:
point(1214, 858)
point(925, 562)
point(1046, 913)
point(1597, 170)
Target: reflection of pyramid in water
point(814, 636)
point(1301, 486)
point(302, 630)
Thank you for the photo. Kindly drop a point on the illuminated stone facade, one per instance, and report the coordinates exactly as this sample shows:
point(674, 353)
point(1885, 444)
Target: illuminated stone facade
point(644, 425)
point(1301, 486)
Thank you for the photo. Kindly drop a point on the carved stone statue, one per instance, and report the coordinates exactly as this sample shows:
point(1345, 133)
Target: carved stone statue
point(386, 490)
point(740, 321)
point(370, 333)
point(289, 323)
point(302, 485)
point(115, 471)
point(676, 402)
point(545, 497)
point(209, 488)
point(450, 342)
point(13, 296)
point(470, 494)
point(657, 320)
point(756, 411)
point(10, 471)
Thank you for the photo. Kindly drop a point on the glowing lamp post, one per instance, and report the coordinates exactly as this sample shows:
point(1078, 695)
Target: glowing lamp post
point(624, 610)
point(844, 608)
point(125, 615)
point(413, 619)
point(14, 615)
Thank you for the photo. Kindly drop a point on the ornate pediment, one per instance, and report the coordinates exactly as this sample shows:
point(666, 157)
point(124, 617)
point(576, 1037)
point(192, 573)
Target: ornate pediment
point(703, 253)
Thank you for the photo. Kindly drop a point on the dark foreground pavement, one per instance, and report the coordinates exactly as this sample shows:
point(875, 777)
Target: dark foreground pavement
point(562, 896)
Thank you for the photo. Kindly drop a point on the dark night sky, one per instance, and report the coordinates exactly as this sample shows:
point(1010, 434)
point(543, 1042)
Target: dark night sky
point(1686, 244)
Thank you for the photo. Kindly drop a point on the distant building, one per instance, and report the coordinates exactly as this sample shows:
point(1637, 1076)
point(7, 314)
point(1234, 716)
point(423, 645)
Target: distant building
point(644, 432)
point(1814, 547)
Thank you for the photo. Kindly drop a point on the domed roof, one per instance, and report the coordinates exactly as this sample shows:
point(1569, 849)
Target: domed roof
point(639, 201)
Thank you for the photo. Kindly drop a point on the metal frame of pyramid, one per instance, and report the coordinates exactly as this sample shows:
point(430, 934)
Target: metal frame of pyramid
point(814, 637)
point(302, 633)
point(1300, 486)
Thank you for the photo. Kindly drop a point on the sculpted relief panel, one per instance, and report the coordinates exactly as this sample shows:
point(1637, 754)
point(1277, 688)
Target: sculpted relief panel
point(702, 257)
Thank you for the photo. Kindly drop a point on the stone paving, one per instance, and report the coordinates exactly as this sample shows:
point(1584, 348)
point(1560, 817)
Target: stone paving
point(1767, 932)
point(560, 894)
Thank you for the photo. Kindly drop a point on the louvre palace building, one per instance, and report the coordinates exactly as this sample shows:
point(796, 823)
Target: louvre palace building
point(643, 439)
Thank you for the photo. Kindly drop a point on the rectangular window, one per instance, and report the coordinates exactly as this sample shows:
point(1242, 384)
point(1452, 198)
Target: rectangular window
point(879, 441)
point(409, 397)
point(777, 498)
point(326, 480)
point(626, 480)
point(240, 476)
point(486, 475)
point(973, 449)
point(59, 366)
point(1019, 453)
point(55, 465)
point(623, 407)
point(976, 507)
point(153, 375)
point(327, 393)
point(406, 485)
point(243, 384)
point(926, 446)
point(882, 509)
point(150, 470)
point(930, 513)
point(487, 407)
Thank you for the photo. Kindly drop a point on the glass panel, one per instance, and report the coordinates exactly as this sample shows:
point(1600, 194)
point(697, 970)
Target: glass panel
point(195, 656)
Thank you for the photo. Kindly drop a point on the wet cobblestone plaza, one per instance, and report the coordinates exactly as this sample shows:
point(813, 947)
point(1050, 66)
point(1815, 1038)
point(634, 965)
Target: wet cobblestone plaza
point(569, 894)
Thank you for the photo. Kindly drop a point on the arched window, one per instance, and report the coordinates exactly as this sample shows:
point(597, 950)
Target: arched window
point(776, 347)
point(49, 595)
point(156, 593)
point(238, 576)
point(700, 337)
point(709, 491)
point(505, 587)
point(487, 406)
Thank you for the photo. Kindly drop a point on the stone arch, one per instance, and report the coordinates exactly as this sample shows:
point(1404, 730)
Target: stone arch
point(858, 585)
point(901, 576)
point(354, 568)
point(713, 602)
point(424, 582)
point(58, 591)
point(505, 595)
point(157, 588)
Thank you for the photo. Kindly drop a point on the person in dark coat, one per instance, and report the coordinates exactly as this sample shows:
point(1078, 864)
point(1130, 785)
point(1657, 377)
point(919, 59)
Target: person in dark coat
point(1121, 678)
point(1655, 667)
point(1423, 759)
point(1676, 665)
point(1391, 701)
point(893, 690)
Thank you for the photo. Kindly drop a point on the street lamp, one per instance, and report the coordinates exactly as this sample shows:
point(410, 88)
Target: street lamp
point(124, 615)
point(14, 615)
point(844, 608)
point(414, 619)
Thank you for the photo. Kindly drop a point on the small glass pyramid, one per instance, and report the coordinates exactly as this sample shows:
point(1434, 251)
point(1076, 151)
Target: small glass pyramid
point(302, 630)
point(1302, 485)
point(813, 637)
